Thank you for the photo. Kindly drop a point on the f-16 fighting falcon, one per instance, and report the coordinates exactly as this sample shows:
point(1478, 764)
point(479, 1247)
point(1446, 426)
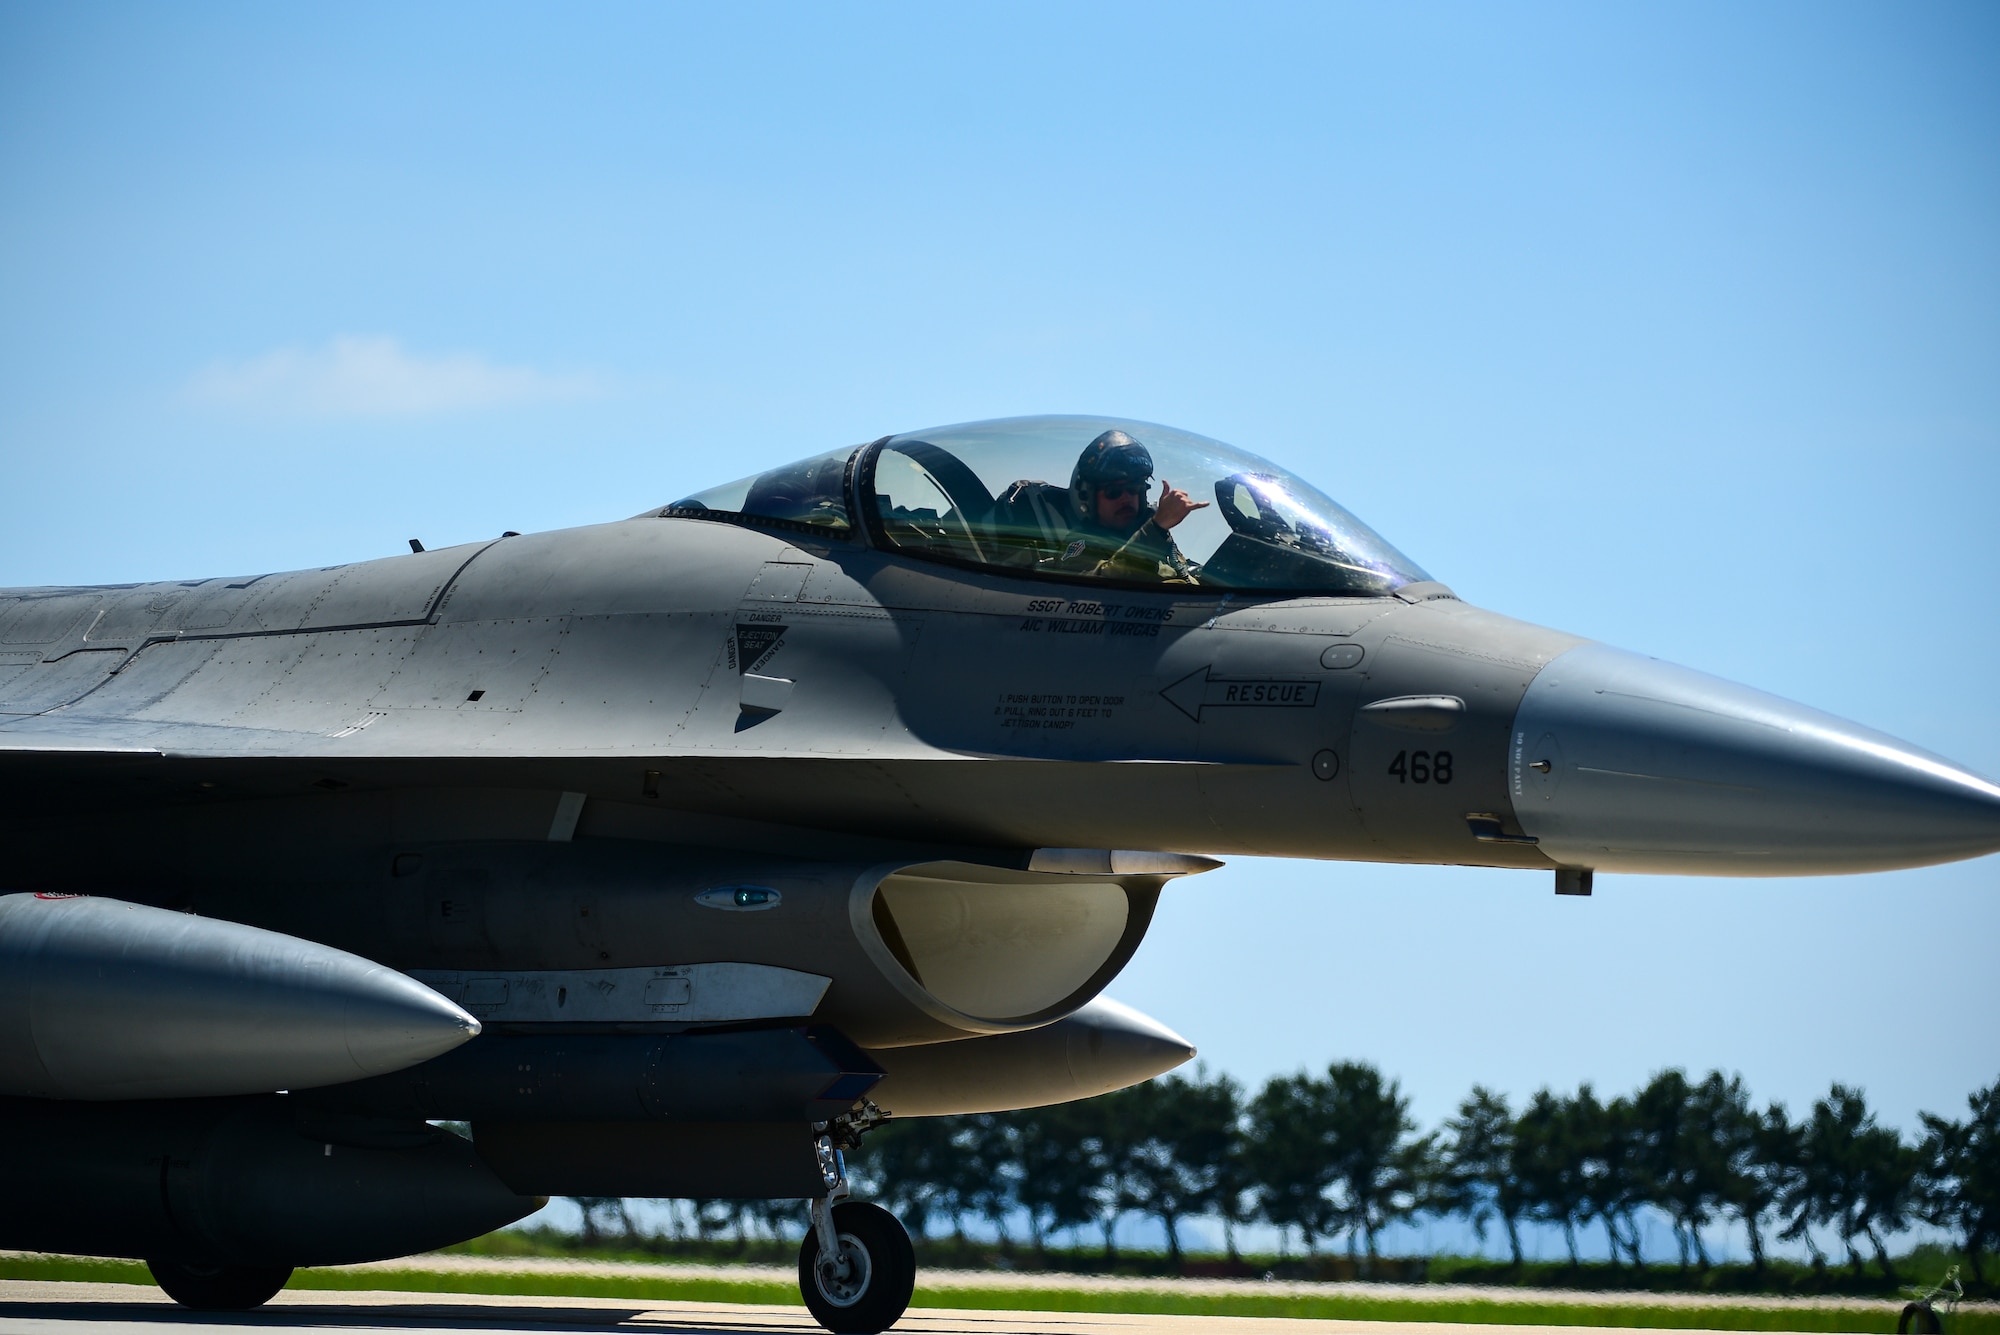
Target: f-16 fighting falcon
point(673, 854)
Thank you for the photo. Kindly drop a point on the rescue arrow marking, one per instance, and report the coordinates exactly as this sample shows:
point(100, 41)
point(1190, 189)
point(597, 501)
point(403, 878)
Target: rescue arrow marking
point(1198, 691)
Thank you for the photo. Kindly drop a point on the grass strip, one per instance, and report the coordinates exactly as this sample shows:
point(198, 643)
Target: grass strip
point(74, 1270)
point(1151, 1302)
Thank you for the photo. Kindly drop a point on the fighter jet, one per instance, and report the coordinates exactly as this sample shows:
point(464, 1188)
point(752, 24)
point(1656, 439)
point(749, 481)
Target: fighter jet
point(672, 854)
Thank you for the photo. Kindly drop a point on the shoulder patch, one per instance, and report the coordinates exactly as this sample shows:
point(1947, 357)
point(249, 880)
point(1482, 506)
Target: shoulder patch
point(1074, 550)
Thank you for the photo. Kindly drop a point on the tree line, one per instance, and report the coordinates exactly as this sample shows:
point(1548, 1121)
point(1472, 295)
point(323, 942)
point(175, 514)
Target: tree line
point(1333, 1157)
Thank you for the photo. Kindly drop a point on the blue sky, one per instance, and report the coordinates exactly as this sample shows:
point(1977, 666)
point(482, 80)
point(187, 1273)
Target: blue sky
point(1673, 325)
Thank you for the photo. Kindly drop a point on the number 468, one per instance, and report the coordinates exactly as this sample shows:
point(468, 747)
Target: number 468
point(1421, 767)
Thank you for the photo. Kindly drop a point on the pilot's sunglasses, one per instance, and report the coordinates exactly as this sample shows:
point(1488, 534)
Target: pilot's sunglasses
point(1118, 491)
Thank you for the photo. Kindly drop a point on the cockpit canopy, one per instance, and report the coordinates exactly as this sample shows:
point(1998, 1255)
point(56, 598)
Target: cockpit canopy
point(1016, 496)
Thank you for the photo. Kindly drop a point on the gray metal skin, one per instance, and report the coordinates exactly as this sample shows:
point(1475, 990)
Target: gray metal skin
point(104, 1000)
point(943, 801)
point(923, 704)
point(1101, 1047)
point(1651, 767)
point(238, 1181)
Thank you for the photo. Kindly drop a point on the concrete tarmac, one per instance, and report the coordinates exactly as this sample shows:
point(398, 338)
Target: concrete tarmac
point(34, 1307)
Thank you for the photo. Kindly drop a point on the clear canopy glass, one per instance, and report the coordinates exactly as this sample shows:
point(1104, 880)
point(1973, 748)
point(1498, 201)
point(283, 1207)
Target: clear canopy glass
point(812, 492)
point(1018, 495)
point(1152, 506)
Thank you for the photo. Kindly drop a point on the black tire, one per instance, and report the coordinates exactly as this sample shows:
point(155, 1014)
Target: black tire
point(878, 1247)
point(219, 1288)
point(1919, 1319)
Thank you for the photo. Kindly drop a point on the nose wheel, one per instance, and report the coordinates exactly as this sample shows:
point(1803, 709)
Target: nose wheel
point(863, 1283)
point(856, 1266)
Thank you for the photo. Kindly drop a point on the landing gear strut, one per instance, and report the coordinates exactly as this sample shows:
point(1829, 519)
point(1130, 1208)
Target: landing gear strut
point(856, 1266)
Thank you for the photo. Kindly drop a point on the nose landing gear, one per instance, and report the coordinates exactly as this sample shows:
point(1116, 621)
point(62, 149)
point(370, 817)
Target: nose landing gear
point(856, 1266)
point(861, 1284)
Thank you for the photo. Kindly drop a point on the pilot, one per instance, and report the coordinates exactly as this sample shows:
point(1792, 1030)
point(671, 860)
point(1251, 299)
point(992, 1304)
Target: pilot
point(1113, 531)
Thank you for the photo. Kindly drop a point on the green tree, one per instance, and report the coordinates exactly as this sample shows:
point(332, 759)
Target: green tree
point(1610, 1139)
point(985, 1144)
point(1068, 1162)
point(1475, 1174)
point(597, 1211)
point(1055, 1174)
point(1286, 1158)
point(915, 1166)
point(1756, 1156)
point(1187, 1133)
point(1549, 1164)
point(1377, 1162)
point(712, 1218)
point(1855, 1177)
point(1112, 1149)
point(1891, 1192)
point(1961, 1177)
point(1679, 1125)
point(780, 1219)
point(1235, 1197)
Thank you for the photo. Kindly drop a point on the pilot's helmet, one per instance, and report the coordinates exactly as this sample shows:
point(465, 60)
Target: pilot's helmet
point(1112, 457)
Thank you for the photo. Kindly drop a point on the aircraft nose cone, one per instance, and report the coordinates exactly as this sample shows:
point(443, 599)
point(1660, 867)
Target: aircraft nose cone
point(1625, 763)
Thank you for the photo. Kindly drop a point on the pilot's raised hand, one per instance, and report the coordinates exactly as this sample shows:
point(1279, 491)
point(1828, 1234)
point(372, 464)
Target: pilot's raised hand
point(1174, 505)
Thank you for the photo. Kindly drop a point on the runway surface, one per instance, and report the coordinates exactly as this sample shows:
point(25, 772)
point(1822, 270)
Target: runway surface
point(32, 1307)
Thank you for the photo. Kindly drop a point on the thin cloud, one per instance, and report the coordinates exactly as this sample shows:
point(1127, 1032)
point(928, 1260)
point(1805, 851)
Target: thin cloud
point(373, 376)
